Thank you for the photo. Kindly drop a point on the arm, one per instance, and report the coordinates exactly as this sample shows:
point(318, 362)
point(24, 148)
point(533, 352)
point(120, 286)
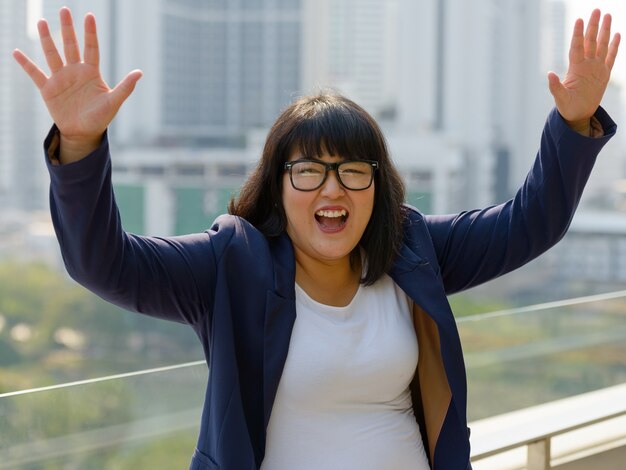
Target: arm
point(476, 246)
point(169, 278)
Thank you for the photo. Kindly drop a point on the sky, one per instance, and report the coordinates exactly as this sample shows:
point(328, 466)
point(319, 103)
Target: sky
point(617, 9)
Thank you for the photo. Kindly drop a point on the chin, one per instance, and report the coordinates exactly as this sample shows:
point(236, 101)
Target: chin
point(334, 254)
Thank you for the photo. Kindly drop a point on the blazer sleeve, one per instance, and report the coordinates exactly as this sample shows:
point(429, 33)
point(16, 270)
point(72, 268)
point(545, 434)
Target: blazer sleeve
point(476, 246)
point(171, 278)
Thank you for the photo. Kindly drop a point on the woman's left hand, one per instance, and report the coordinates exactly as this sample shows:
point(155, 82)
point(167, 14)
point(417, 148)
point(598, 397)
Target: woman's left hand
point(591, 59)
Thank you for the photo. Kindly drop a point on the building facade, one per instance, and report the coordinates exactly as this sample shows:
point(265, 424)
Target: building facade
point(470, 73)
point(213, 69)
point(21, 174)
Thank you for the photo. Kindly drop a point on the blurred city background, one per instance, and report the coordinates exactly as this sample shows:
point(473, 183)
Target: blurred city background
point(461, 93)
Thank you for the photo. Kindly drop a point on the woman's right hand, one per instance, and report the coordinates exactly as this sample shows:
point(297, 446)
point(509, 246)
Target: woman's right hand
point(78, 99)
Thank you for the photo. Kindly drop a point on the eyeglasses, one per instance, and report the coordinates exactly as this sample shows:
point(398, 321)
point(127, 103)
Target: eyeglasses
point(309, 175)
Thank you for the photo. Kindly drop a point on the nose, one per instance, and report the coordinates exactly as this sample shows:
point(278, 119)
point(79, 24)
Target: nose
point(332, 188)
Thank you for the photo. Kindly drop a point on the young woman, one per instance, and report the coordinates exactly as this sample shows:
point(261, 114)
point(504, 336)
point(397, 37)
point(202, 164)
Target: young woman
point(321, 299)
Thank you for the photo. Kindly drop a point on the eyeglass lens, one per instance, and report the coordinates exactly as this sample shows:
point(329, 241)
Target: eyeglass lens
point(352, 174)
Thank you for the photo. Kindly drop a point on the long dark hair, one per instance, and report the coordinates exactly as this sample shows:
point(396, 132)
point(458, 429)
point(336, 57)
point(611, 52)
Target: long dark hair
point(336, 125)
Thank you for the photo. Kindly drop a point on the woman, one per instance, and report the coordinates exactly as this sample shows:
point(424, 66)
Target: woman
point(319, 231)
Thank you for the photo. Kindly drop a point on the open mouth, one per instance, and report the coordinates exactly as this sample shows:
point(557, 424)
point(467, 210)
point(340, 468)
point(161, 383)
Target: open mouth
point(331, 220)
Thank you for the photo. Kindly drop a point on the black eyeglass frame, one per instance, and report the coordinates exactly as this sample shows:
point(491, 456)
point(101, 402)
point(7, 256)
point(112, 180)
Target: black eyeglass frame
point(330, 167)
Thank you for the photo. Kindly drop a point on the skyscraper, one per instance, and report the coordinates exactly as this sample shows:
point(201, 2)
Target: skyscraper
point(470, 72)
point(351, 46)
point(214, 69)
point(555, 36)
point(21, 175)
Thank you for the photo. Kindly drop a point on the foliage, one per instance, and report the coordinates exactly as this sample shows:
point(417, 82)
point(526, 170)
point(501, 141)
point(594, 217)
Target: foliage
point(45, 301)
point(464, 305)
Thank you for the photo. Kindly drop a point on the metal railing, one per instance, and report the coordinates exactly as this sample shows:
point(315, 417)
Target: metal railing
point(536, 427)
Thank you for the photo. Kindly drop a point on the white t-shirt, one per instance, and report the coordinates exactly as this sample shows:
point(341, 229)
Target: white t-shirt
point(343, 401)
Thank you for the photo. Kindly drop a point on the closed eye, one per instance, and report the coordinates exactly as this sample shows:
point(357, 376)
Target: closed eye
point(352, 171)
point(309, 171)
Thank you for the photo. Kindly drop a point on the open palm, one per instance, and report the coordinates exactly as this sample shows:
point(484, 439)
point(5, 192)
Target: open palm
point(79, 101)
point(591, 60)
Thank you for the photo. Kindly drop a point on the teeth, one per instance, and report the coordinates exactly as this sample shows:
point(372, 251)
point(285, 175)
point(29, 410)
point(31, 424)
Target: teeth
point(341, 213)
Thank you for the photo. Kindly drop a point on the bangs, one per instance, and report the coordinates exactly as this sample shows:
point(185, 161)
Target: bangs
point(337, 130)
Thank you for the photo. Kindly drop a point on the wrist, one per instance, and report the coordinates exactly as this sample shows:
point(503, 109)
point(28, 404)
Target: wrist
point(582, 126)
point(73, 149)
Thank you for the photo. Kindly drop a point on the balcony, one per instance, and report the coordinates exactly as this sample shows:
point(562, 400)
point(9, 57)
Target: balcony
point(547, 389)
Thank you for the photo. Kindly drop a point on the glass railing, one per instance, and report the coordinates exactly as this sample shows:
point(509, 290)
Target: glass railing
point(149, 419)
point(536, 354)
point(141, 420)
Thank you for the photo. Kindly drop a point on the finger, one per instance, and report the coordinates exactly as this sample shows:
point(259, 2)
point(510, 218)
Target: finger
point(92, 51)
point(577, 50)
point(603, 37)
point(613, 47)
point(559, 92)
point(35, 73)
point(70, 43)
point(591, 34)
point(50, 51)
point(125, 87)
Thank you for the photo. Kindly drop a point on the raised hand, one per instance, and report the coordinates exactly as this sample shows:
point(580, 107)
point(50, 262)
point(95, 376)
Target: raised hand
point(78, 99)
point(591, 59)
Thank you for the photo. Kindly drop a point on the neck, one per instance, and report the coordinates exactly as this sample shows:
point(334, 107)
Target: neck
point(331, 283)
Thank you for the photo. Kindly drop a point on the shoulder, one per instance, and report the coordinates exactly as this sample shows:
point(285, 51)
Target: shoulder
point(417, 234)
point(413, 221)
point(232, 233)
point(230, 225)
point(234, 229)
point(412, 214)
point(244, 256)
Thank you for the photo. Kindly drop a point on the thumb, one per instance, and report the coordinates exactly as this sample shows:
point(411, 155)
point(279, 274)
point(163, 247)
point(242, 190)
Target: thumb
point(125, 87)
point(559, 92)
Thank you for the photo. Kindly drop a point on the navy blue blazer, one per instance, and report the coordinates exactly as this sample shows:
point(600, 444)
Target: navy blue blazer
point(235, 288)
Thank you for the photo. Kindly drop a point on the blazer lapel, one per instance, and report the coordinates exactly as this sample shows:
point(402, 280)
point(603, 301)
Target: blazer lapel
point(440, 375)
point(415, 276)
point(280, 316)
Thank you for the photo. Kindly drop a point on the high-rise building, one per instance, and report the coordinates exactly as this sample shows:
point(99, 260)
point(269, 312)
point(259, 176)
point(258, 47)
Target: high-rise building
point(213, 69)
point(463, 77)
point(380, 54)
point(351, 46)
point(518, 95)
point(21, 171)
point(470, 73)
point(554, 37)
